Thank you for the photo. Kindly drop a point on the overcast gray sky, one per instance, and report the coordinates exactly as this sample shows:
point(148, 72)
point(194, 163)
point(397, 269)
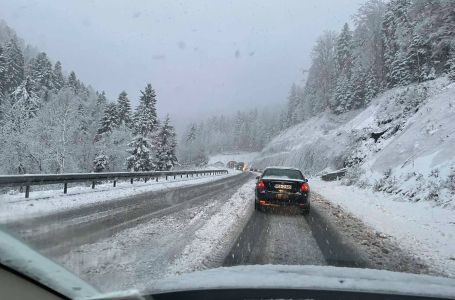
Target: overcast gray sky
point(202, 57)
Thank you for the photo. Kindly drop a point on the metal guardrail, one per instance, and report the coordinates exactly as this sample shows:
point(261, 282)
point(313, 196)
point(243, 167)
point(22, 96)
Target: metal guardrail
point(43, 179)
point(334, 175)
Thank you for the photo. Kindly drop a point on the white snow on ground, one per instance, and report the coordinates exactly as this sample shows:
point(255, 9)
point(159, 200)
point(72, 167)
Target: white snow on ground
point(189, 239)
point(423, 229)
point(240, 156)
point(312, 145)
point(210, 240)
point(15, 206)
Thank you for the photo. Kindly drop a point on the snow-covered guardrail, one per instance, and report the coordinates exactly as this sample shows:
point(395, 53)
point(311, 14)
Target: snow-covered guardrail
point(335, 175)
point(43, 179)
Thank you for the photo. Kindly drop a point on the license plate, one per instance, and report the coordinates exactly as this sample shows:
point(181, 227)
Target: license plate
point(282, 196)
point(283, 186)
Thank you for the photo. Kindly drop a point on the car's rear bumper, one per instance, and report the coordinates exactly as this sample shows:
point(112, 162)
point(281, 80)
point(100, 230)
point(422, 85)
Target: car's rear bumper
point(275, 199)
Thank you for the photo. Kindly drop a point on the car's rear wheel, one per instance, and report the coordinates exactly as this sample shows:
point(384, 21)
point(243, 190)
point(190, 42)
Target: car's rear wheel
point(258, 207)
point(305, 210)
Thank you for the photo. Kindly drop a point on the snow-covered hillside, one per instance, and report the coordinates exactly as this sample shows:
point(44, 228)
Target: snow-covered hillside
point(402, 143)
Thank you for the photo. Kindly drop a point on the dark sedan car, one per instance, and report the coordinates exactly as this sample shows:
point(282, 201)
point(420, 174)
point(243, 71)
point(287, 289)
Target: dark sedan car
point(282, 187)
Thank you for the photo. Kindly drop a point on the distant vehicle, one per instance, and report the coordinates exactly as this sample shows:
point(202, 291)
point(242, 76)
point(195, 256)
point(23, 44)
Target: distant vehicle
point(279, 186)
point(219, 164)
point(240, 165)
point(231, 164)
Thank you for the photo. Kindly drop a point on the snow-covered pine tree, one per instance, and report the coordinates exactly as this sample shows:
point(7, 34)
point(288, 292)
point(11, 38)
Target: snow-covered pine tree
point(397, 29)
point(124, 109)
point(82, 118)
point(401, 70)
point(358, 86)
point(434, 23)
point(101, 100)
point(343, 51)
point(322, 77)
point(191, 136)
point(293, 102)
point(83, 92)
point(368, 38)
point(166, 146)
point(109, 120)
point(73, 82)
point(101, 163)
point(419, 59)
point(371, 86)
point(41, 74)
point(342, 99)
point(25, 100)
point(97, 108)
point(145, 124)
point(14, 66)
point(145, 117)
point(141, 157)
point(390, 45)
point(58, 80)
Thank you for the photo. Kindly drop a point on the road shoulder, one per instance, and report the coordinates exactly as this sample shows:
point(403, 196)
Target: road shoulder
point(381, 249)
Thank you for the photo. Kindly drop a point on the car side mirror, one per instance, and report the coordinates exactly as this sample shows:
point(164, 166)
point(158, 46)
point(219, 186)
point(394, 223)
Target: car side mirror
point(306, 180)
point(257, 177)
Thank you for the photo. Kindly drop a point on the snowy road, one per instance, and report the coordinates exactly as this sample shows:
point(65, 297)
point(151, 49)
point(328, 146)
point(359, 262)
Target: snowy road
point(280, 237)
point(50, 233)
point(327, 236)
point(131, 241)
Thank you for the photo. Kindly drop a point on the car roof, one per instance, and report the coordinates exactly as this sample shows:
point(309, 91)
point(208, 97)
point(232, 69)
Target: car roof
point(282, 168)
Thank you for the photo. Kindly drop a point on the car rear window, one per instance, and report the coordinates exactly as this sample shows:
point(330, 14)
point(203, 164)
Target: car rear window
point(283, 173)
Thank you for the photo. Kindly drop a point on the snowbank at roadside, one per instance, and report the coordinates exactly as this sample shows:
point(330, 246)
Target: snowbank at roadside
point(15, 206)
point(425, 230)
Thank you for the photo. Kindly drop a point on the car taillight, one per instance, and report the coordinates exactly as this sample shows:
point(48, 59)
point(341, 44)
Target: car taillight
point(260, 185)
point(304, 187)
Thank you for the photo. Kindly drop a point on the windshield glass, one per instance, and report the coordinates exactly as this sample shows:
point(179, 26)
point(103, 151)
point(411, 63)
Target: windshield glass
point(283, 173)
point(145, 139)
